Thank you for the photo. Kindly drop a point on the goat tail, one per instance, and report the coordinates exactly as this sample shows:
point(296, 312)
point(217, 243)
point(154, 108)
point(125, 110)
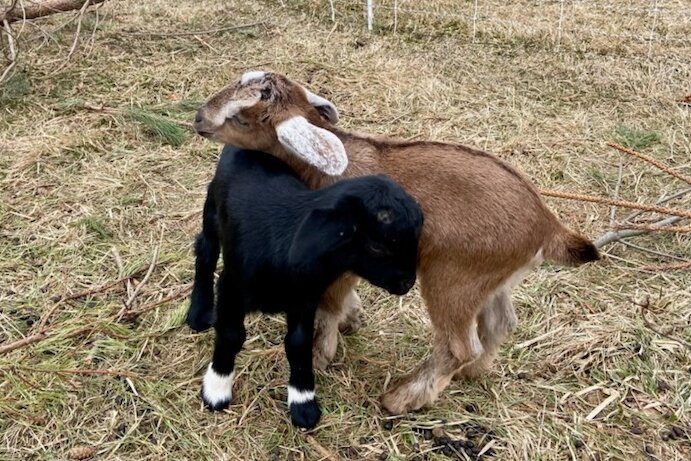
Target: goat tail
point(207, 250)
point(571, 249)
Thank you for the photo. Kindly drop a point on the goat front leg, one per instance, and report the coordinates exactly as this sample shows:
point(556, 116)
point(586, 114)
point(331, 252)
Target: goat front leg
point(340, 309)
point(453, 309)
point(304, 410)
point(217, 386)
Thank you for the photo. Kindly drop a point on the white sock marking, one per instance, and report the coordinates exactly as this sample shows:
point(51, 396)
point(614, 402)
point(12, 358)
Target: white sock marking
point(297, 396)
point(217, 388)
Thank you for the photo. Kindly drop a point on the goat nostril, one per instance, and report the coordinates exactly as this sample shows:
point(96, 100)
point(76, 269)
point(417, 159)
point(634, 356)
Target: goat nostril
point(198, 118)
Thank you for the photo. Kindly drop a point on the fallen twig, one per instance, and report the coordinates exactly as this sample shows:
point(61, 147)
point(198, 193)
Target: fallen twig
point(101, 289)
point(33, 10)
point(616, 235)
point(87, 371)
point(620, 203)
point(36, 337)
point(76, 38)
point(43, 326)
point(644, 307)
point(613, 210)
point(33, 419)
point(195, 32)
point(153, 305)
point(138, 288)
point(321, 450)
point(654, 227)
point(652, 252)
point(676, 195)
point(12, 50)
point(652, 161)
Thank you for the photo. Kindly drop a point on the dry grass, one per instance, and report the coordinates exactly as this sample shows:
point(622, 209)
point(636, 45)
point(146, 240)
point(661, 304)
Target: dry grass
point(77, 182)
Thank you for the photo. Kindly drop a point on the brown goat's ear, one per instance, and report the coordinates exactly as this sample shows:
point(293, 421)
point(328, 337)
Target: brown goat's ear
point(319, 147)
point(323, 106)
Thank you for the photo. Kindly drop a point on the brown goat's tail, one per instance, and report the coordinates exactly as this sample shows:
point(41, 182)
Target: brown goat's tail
point(571, 249)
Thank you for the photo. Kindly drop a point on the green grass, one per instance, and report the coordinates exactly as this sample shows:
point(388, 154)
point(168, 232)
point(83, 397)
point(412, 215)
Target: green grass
point(159, 127)
point(635, 138)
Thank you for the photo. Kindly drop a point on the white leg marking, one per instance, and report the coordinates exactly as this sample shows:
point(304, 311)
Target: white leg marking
point(296, 396)
point(252, 75)
point(217, 388)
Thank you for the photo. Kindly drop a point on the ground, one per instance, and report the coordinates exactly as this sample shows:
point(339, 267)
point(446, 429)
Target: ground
point(92, 172)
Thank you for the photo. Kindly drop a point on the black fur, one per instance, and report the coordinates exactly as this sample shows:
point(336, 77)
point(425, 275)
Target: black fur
point(283, 245)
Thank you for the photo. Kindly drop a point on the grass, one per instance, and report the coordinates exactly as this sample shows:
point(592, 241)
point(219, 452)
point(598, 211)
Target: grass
point(79, 186)
point(636, 139)
point(159, 127)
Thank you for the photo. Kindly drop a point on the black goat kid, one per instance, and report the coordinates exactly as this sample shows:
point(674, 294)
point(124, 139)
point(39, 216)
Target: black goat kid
point(283, 245)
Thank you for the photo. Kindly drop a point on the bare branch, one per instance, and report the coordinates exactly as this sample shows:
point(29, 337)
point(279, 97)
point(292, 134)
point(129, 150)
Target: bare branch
point(616, 235)
point(12, 49)
point(659, 202)
point(613, 210)
point(44, 8)
point(654, 227)
point(154, 260)
point(195, 32)
point(147, 307)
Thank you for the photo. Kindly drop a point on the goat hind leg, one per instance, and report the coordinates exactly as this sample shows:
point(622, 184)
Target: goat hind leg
point(333, 310)
point(422, 386)
point(495, 322)
point(304, 409)
point(352, 308)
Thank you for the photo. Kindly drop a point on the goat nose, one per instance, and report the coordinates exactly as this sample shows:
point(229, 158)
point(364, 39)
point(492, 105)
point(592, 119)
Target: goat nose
point(198, 118)
point(406, 285)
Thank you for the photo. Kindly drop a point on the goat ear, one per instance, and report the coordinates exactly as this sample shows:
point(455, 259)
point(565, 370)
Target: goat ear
point(323, 106)
point(316, 146)
point(322, 231)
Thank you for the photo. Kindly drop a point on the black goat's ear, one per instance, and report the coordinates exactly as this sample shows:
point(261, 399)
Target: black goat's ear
point(321, 232)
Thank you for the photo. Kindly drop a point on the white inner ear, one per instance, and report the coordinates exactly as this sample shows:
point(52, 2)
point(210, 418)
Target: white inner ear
point(320, 103)
point(232, 107)
point(316, 146)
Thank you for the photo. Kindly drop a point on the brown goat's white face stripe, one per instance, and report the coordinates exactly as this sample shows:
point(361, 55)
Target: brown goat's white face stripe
point(251, 76)
point(231, 108)
point(316, 146)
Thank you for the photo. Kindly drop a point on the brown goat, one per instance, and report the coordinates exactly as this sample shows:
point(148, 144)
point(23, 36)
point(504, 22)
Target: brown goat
point(485, 224)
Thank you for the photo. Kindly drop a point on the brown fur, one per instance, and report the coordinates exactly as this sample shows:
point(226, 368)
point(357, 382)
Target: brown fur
point(484, 222)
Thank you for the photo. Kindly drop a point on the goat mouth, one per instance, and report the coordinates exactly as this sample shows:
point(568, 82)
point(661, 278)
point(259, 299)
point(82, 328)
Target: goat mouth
point(204, 134)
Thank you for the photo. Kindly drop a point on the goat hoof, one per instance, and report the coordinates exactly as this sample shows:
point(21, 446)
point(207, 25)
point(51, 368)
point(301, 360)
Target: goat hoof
point(400, 400)
point(352, 323)
point(216, 406)
point(215, 399)
point(217, 390)
point(305, 415)
point(199, 323)
point(319, 361)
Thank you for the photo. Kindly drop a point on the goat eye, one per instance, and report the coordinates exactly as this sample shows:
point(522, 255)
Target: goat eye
point(265, 93)
point(238, 121)
point(377, 249)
